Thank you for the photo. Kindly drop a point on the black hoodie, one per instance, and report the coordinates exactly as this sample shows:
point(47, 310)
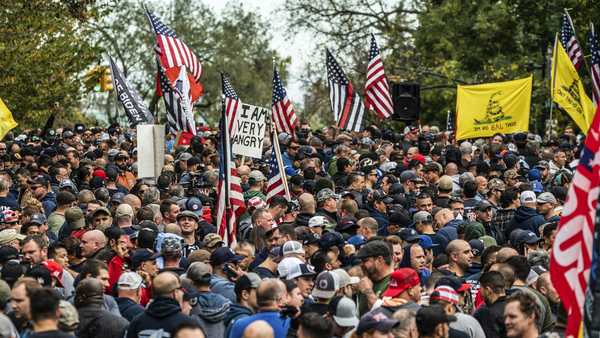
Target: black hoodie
point(162, 314)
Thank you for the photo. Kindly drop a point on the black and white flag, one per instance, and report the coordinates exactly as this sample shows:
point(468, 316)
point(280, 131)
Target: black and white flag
point(136, 111)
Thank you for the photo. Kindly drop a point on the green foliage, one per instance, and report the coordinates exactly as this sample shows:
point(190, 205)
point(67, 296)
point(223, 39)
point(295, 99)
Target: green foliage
point(44, 49)
point(441, 44)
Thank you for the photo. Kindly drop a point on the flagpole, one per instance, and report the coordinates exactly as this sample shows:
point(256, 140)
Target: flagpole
point(226, 176)
point(553, 83)
point(277, 150)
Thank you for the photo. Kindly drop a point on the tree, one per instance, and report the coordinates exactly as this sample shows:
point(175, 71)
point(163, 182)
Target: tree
point(44, 51)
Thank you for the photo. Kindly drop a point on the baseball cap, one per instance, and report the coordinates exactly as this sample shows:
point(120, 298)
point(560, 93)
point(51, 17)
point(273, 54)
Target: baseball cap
point(292, 247)
point(546, 197)
point(453, 282)
point(409, 175)
point(511, 174)
point(378, 321)
point(496, 184)
point(142, 255)
point(373, 249)
point(422, 217)
point(477, 247)
point(380, 196)
point(344, 278)
point(67, 183)
point(528, 196)
point(69, 317)
point(8, 216)
point(401, 219)
point(520, 236)
point(117, 197)
point(316, 221)
point(483, 205)
point(40, 273)
point(325, 194)
point(409, 235)
point(431, 316)
point(488, 241)
point(257, 175)
point(445, 183)
point(357, 240)
point(309, 238)
point(224, 255)
point(123, 210)
point(286, 264)
point(7, 253)
point(199, 272)
point(9, 235)
point(401, 280)
point(326, 285)
point(344, 312)
point(247, 281)
point(75, 217)
point(300, 270)
point(426, 242)
point(170, 246)
point(211, 240)
point(37, 219)
point(129, 281)
point(194, 205)
point(346, 223)
point(101, 210)
point(11, 271)
point(39, 180)
point(446, 294)
point(188, 213)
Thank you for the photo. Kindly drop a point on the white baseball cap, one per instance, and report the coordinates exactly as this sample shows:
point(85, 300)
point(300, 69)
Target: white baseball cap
point(344, 278)
point(316, 221)
point(130, 281)
point(292, 247)
point(528, 196)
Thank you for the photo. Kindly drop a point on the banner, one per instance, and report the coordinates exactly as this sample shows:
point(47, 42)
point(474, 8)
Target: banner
point(249, 130)
point(151, 150)
point(7, 122)
point(568, 91)
point(130, 99)
point(490, 108)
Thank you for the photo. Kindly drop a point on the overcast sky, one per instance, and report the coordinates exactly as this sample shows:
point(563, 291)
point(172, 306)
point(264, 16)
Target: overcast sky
point(299, 48)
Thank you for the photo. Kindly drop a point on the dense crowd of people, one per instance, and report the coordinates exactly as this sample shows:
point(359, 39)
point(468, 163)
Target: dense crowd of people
point(386, 234)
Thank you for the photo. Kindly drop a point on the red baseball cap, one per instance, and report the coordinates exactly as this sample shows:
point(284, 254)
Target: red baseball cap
point(55, 269)
point(400, 281)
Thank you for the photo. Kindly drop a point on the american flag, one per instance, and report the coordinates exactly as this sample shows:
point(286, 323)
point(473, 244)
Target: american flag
point(595, 51)
point(572, 251)
point(348, 108)
point(283, 111)
point(377, 90)
point(275, 185)
point(231, 101)
point(569, 41)
point(180, 116)
point(230, 203)
point(171, 51)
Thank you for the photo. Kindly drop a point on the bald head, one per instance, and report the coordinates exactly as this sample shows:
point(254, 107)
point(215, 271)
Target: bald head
point(91, 242)
point(173, 228)
point(307, 203)
point(269, 293)
point(505, 253)
point(443, 217)
point(133, 201)
point(243, 170)
point(259, 329)
point(164, 283)
point(451, 169)
point(456, 246)
point(89, 290)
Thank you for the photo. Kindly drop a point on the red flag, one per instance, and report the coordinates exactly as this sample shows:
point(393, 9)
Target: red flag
point(571, 255)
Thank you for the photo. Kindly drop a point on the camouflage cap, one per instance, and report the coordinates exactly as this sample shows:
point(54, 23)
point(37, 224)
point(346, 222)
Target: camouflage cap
point(69, 318)
point(325, 194)
point(496, 184)
point(511, 174)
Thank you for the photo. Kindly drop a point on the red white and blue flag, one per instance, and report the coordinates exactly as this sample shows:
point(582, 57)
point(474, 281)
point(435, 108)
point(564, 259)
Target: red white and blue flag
point(571, 256)
point(230, 103)
point(347, 106)
point(569, 41)
point(283, 111)
point(276, 184)
point(595, 71)
point(230, 202)
point(377, 90)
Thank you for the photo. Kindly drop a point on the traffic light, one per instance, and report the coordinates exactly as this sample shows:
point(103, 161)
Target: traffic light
point(106, 83)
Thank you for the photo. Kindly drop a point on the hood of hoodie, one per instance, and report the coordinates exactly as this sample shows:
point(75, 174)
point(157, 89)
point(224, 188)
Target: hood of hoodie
point(524, 213)
point(211, 307)
point(163, 307)
point(236, 310)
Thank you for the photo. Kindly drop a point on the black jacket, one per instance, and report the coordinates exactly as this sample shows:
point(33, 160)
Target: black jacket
point(128, 308)
point(94, 321)
point(162, 314)
point(491, 318)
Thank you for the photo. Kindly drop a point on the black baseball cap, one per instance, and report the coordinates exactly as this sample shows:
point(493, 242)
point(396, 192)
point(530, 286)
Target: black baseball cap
point(7, 253)
point(224, 255)
point(409, 235)
point(142, 255)
point(374, 249)
point(377, 321)
point(401, 219)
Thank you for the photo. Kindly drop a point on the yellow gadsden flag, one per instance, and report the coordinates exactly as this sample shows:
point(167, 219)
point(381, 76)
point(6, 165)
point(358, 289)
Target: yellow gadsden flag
point(568, 91)
point(7, 122)
point(486, 109)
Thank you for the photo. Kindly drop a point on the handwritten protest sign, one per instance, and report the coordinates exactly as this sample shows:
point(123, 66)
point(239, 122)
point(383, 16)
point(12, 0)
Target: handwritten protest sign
point(249, 130)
